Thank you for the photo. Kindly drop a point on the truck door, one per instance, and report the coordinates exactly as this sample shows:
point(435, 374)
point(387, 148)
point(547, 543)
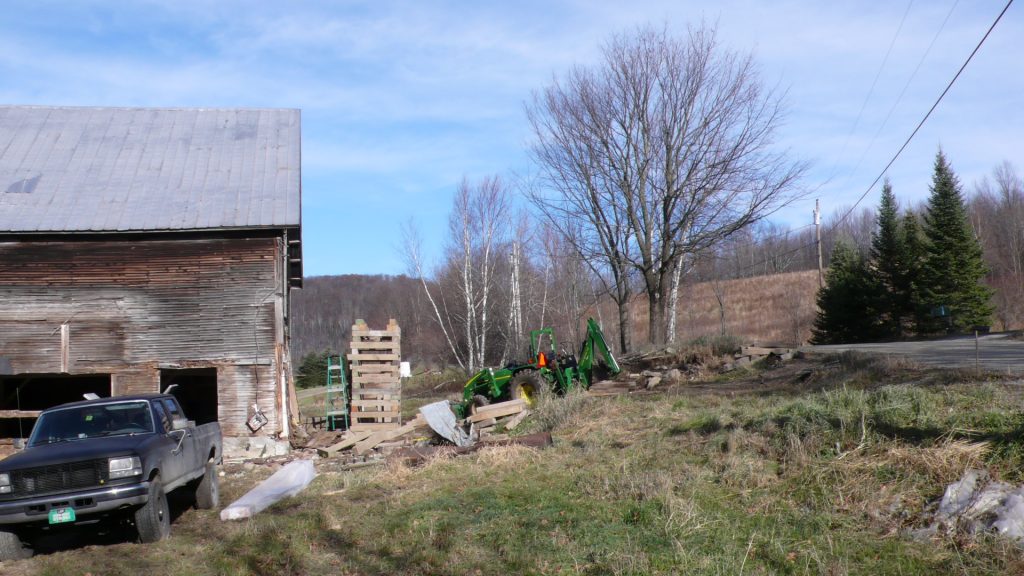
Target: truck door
point(172, 466)
point(189, 450)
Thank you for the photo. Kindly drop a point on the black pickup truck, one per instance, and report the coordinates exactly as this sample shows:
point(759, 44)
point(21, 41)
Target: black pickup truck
point(104, 459)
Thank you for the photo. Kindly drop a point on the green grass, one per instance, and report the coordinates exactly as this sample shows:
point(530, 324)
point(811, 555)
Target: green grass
point(824, 482)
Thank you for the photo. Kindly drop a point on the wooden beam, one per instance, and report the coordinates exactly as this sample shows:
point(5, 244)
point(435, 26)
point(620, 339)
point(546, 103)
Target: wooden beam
point(19, 413)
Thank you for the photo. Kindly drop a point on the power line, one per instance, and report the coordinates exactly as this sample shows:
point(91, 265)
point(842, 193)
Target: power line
point(899, 152)
point(871, 90)
point(926, 116)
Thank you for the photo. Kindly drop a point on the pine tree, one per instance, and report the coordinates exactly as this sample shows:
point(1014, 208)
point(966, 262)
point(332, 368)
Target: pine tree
point(846, 305)
point(912, 244)
point(953, 269)
point(888, 268)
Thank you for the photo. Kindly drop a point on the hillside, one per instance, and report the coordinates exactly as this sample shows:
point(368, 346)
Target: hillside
point(764, 309)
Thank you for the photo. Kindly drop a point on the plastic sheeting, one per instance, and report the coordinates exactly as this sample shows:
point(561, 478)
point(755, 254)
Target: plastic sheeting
point(442, 420)
point(974, 504)
point(288, 481)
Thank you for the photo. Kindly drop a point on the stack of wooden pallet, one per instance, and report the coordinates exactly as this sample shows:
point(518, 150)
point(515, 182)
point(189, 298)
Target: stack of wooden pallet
point(376, 386)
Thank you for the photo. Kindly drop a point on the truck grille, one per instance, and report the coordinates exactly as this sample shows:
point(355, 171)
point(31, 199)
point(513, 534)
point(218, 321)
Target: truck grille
point(44, 479)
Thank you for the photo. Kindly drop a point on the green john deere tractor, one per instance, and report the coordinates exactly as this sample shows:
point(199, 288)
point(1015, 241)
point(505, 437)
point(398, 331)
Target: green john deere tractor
point(551, 370)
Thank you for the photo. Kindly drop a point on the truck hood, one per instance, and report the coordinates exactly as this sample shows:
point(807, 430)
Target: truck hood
point(75, 451)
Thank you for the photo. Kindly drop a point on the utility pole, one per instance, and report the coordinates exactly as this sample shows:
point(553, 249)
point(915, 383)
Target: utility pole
point(817, 236)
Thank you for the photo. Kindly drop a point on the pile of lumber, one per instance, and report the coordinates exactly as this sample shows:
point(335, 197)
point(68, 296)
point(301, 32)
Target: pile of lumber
point(509, 414)
point(376, 386)
point(361, 446)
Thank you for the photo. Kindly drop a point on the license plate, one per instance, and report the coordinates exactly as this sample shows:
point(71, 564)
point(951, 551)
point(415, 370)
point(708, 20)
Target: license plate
point(62, 515)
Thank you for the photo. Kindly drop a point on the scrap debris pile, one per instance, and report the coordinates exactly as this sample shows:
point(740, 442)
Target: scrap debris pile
point(417, 439)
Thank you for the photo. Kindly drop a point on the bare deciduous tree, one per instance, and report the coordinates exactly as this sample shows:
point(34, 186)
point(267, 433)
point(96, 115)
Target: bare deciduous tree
point(659, 152)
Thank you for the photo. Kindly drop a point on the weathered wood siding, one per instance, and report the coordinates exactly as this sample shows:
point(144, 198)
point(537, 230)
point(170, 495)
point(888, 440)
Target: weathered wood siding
point(134, 306)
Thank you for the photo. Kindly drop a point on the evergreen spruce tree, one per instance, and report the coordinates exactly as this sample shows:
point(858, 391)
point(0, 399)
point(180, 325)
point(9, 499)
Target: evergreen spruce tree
point(953, 268)
point(888, 268)
point(912, 244)
point(846, 304)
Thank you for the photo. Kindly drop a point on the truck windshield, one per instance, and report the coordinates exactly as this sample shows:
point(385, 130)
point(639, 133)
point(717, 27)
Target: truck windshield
point(114, 419)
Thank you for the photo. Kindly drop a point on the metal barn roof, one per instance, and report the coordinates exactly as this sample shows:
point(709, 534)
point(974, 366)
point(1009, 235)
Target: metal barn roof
point(69, 169)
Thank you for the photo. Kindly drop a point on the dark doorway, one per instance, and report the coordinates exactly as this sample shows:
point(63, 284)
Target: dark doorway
point(196, 391)
point(31, 392)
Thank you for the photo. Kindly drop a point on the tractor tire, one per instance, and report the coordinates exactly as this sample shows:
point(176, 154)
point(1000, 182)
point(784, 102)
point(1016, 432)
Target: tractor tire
point(11, 547)
point(208, 489)
point(153, 519)
point(527, 386)
point(479, 401)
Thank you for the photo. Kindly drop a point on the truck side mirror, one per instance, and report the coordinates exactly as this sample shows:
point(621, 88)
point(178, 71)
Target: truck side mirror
point(179, 424)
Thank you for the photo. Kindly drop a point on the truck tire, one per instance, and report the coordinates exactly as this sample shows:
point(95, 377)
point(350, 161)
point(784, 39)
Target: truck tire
point(208, 489)
point(153, 519)
point(526, 386)
point(11, 547)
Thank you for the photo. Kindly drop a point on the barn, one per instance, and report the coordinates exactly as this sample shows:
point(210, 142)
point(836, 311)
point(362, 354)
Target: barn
point(142, 248)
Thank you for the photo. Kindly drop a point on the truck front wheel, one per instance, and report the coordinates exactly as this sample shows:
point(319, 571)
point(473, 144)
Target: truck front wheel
point(208, 490)
point(11, 547)
point(153, 519)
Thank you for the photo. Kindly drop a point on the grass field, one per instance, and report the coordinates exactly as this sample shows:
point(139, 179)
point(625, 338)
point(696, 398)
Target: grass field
point(822, 466)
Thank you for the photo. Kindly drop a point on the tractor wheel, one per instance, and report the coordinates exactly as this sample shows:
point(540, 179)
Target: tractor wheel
point(479, 401)
point(527, 386)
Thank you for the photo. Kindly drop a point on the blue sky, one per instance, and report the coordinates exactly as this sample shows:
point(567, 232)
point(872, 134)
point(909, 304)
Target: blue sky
point(401, 100)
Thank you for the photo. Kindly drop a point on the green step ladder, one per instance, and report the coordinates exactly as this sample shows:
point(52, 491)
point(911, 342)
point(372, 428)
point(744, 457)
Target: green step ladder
point(336, 404)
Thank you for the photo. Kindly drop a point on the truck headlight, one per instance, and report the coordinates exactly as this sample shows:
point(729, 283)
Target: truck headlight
point(125, 467)
point(5, 483)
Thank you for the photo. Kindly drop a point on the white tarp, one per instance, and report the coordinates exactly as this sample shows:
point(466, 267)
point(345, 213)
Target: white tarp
point(288, 481)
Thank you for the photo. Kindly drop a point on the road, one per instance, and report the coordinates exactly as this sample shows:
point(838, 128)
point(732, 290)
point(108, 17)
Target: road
point(996, 352)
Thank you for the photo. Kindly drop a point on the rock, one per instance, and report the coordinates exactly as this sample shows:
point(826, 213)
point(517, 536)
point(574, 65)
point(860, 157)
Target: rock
point(673, 376)
point(653, 381)
point(649, 373)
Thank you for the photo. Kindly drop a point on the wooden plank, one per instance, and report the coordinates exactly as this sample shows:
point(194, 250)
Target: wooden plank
point(384, 435)
point(358, 369)
point(376, 413)
point(761, 351)
point(373, 357)
point(485, 423)
point(373, 426)
point(498, 410)
point(516, 420)
point(371, 402)
point(19, 413)
point(350, 440)
point(383, 378)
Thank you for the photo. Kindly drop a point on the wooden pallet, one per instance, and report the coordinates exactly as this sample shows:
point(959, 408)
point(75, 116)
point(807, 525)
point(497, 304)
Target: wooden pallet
point(376, 387)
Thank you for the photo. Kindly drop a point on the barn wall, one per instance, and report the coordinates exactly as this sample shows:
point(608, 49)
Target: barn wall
point(133, 307)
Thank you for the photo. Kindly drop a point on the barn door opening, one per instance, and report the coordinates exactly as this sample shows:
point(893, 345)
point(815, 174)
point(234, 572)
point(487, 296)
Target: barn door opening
point(195, 389)
point(22, 396)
